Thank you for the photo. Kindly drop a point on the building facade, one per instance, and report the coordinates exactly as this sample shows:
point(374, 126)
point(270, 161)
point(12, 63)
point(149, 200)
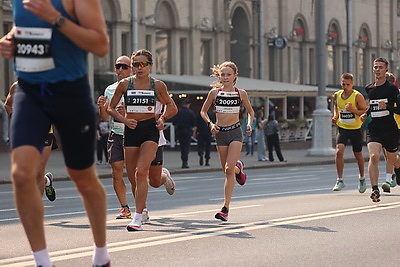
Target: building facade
point(271, 40)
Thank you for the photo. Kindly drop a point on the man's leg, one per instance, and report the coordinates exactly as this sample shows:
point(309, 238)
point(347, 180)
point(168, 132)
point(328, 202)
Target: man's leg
point(374, 150)
point(118, 181)
point(25, 162)
point(339, 160)
point(94, 201)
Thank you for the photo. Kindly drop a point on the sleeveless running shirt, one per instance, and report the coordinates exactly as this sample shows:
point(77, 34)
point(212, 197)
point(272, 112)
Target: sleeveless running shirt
point(347, 119)
point(43, 53)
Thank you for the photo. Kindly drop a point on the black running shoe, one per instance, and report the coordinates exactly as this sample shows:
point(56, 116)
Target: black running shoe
point(375, 196)
point(49, 190)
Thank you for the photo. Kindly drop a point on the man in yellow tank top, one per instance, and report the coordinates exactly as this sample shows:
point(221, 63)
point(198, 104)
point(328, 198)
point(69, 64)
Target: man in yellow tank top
point(349, 105)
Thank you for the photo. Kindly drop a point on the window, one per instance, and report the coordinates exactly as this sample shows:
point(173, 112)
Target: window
point(205, 57)
point(162, 52)
point(183, 56)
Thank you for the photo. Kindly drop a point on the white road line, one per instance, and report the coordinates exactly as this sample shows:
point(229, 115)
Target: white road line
point(198, 234)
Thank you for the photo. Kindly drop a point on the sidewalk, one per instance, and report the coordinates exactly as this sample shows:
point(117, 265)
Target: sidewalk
point(295, 153)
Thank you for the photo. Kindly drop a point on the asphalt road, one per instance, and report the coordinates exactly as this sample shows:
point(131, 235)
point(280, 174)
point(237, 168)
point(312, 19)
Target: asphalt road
point(281, 217)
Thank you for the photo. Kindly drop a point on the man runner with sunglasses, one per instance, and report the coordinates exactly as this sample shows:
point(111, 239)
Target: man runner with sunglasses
point(115, 147)
point(52, 40)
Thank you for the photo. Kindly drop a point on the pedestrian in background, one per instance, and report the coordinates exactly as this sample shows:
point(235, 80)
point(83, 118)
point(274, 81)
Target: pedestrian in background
point(184, 121)
point(249, 140)
point(260, 136)
point(271, 132)
point(204, 137)
point(103, 131)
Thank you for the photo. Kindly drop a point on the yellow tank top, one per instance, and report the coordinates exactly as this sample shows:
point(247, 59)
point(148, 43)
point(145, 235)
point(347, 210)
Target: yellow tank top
point(397, 118)
point(347, 120)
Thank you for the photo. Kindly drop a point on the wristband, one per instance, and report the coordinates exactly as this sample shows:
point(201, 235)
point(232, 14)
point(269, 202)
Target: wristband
point(208, 124)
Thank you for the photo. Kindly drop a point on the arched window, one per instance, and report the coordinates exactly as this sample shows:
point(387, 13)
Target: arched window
point(240, 41)
point(164, 22)
point(332, 41)
point(361, 56)
point(298, 52)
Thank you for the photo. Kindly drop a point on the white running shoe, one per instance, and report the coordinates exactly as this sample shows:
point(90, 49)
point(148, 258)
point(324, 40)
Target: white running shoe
point(145, 217)
point(169, 182)
point(135, 224)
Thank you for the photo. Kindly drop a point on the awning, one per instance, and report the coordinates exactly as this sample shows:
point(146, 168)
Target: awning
point(254, 87)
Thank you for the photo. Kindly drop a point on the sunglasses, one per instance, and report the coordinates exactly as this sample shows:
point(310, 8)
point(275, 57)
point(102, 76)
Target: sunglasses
point(141, 64)
point(121, 65)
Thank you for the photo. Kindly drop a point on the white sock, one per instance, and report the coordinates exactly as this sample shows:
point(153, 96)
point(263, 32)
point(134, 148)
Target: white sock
point(388, 177)
point(361, 178)
point(137, 216)
point(101, 256)
point(340, 179)
point(42, 258)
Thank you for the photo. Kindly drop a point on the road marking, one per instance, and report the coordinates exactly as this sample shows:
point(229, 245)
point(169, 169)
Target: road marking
point(218, 230)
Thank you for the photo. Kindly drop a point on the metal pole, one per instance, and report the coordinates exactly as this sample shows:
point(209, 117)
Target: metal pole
point(349, 17)
point(322, 127)
point(261, 39)
point(134, 25)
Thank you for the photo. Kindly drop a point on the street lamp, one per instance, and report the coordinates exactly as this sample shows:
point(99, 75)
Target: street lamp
point(322, 127)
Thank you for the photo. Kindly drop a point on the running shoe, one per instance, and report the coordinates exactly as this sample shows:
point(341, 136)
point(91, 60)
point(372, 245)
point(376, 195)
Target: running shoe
point(241, 176)
point(49, 189)
point(223, 216)
point(339, 185)
point(393, 182)
point(135, 225)
point(145, 217)
point(397, 173)
point(169, 182)
point(362, 186)
point(124, 213)
point(375, 196)
point(386, 187)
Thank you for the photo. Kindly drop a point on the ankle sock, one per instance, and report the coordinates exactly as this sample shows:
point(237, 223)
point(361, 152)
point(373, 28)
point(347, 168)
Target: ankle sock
point(42, 258)
point(388, 177)
point(101, 256)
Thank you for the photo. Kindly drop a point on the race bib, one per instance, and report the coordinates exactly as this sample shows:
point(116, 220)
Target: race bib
point(33, 49)
point(347, 116)
point(227, 102)
point(140, 101)
point(376, 112)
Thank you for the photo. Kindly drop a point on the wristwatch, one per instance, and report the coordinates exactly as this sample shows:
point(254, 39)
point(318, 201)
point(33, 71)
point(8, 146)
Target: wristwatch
point(60, 20)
